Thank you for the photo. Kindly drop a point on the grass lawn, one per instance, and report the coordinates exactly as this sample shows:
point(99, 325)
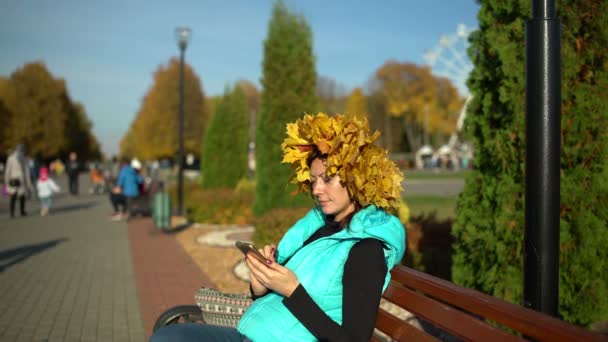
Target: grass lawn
point(417, 174)
point(424, 205)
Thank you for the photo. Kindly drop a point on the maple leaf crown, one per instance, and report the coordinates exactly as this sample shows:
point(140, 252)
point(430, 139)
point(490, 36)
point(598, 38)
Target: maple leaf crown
point(370, 176)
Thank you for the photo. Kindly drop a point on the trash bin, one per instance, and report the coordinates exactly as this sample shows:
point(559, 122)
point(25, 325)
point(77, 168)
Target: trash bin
point(162, 210)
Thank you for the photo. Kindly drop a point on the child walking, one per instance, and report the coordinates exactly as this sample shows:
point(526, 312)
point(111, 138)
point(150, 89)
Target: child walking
point(46, 187)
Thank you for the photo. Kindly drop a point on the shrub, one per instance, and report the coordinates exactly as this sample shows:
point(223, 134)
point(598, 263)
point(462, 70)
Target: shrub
point(270, 227)
point(219, 206)
point(245, 185)
point(429, 245)
point(413, 255)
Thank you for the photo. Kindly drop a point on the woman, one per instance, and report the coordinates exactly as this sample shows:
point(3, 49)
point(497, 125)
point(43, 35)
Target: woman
point(325, 279)
point(17, 178)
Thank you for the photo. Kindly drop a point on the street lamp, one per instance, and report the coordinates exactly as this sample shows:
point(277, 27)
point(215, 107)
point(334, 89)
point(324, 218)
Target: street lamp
point(543, 140)
point(182, 35)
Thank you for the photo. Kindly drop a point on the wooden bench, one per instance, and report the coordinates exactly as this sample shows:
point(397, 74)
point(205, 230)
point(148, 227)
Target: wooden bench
point(450, 312)
point(462, 313)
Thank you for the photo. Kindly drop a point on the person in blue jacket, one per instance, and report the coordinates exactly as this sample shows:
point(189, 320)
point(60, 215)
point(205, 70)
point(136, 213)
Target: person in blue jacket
point(126, 189)
point(324, 280)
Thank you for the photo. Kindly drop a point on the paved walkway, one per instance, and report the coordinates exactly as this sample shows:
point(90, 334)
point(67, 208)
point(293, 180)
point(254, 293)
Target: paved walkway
point(76, 276)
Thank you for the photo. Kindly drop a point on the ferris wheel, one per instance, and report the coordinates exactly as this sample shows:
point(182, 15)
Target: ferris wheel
point(449, 59)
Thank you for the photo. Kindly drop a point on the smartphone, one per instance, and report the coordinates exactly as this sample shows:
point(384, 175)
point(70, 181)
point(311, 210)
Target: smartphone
point(247, 247)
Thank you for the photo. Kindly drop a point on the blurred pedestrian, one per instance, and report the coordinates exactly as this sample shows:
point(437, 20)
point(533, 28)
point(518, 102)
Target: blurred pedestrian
point(97, 180)
point(73, 168)
point(32, 164)
point(110, 173)
point(46, 187)
point(126, 190)
point(17, 176)
point(57, 167)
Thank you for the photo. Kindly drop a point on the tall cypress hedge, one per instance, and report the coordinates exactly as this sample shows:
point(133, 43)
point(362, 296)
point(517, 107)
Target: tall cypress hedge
point(224, 156)
point(288, 82)
point(489, 228)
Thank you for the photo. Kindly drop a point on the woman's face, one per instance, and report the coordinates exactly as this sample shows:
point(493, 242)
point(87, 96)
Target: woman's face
point(329, 192)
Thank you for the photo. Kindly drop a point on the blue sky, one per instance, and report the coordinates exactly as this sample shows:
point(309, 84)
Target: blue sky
point(108, 50)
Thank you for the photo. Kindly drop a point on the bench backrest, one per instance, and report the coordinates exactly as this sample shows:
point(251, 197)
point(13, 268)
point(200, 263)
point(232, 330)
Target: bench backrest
point(463, 312)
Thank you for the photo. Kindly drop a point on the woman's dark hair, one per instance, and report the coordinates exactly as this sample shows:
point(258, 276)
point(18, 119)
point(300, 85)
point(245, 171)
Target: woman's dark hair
point(317, 154)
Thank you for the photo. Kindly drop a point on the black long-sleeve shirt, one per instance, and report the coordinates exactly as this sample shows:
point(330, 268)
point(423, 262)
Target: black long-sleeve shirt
point(362, 281)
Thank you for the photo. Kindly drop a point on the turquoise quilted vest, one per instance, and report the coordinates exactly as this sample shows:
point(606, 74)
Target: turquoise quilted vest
point(319, 267)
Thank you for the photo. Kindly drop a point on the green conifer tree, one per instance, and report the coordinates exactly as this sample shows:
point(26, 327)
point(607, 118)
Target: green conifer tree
point(288, 82)
point(489, 229)
point(224, 156)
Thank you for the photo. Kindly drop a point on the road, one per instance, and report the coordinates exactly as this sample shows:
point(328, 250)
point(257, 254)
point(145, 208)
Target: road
point(432, 187)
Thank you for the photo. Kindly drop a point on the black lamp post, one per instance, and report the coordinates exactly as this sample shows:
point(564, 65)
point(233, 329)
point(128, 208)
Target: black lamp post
point(183, 37)
point(543, 111)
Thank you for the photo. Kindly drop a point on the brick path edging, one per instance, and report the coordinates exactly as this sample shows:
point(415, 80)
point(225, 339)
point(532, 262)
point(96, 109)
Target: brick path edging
point(165, 275)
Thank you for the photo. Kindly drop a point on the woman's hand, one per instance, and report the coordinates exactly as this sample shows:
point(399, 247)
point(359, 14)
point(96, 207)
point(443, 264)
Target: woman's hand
point(271, 276)
point(258, 288)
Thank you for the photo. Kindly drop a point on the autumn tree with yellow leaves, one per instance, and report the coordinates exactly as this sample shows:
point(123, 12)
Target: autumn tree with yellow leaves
point(39, 110)
point(427, 105)
point(154, 132)
point(36, 110)
point(389, 125)
point(78, 129)
point(5, 117)
point(372, 107)
point(127, 144)
point(357, 103)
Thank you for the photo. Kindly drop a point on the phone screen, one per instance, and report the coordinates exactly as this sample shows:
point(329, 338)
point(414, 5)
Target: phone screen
point(247, 247)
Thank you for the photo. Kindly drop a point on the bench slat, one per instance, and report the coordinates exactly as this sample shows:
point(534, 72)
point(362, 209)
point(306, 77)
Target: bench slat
point(529, 322)
point(400, 330)
point(452, 320)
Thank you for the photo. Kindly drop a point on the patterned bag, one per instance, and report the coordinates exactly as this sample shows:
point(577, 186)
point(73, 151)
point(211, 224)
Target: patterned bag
point(219, 308)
